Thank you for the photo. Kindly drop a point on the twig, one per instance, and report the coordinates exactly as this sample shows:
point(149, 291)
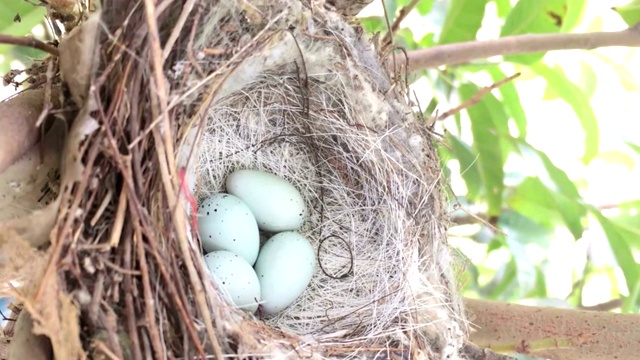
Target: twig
point(474, 99)
point(175, 33)
point(166, 161)
point(459, 53)
point(396, 22)
point(29, 42)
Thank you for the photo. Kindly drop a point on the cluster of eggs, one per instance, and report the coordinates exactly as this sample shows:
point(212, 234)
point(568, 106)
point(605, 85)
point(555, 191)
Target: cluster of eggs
point(273, 275)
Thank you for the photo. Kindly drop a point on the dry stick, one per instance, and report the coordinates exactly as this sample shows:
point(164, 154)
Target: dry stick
point(552, 332)
point(29, 42)
point(184, 15)
point(178, 212)
point(396, 23)
point(473, 99)
point(458, 53)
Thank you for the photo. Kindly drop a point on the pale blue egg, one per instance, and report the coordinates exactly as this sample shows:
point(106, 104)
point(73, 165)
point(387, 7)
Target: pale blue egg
point(234, 278)
point(276, 204)
point(284, 267)
point(225, 222)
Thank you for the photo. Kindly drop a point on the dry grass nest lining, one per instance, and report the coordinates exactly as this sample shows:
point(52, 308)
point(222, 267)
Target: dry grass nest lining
point(321, 113)
point(312, 105)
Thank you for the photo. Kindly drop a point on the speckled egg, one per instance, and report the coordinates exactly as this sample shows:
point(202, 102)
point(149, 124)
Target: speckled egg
point(234, 278)
point(276, 204)
point(225, 222)
point(284, 267)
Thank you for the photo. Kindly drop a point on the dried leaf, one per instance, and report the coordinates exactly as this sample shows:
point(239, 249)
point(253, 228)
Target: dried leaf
point(27, 345)
point(79, 57)
point(18, 117)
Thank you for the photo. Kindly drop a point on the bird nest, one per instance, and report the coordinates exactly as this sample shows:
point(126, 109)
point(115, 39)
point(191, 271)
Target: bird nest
point(170, 100)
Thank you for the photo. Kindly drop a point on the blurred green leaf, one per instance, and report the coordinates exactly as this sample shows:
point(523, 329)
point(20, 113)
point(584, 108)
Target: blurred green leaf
point(502, 281)
point(524, 230)
point(516, 240)
point(630, 12)
point(626, 77)
point(504, 6)
point(550, 175)
point(424, 6)
point(628, 214)
point(623, 255)
point(392, 8)
point(574, 14)
point(404, 37)
point(511, 100)
point(633, 146)
point(580, 104)
point(427, 41)
point(617, 158)
point(373, 24)
point(540, 17)
point(468, 166)
point(588, 80)
point(550, 92)
point(487, 144)
point(534, 200)
point(540, 289)
point(30, 16)
point(464, 18)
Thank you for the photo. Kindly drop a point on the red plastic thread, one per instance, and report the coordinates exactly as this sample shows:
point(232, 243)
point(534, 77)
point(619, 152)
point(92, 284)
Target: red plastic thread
point(190, 199)
point(193, 204)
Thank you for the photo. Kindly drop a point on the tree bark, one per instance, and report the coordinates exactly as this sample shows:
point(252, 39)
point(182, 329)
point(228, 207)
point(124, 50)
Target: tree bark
point(554, 333)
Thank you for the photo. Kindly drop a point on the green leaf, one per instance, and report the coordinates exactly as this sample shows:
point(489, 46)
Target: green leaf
point(628, 215)
point(373, 24)
point(424, 6)
point(624, 256)
point(464, 18)
point(626, 77)
point(617, 158)
point(392, 8)
point(404, 37)
point(504, 6)
point(30, 16)
point(630, 12)
point(633, 146)
point(524, 230)
point(588, 80)
point(575, 13)
point(550, 92)
point(504, 279)
point(427, 41)
point(511, 100)
point(533, 17)
point(546, 207)
point(580, 104)
point(487, 144)
point(525, 270)
point(550, 175)
point(468, 166)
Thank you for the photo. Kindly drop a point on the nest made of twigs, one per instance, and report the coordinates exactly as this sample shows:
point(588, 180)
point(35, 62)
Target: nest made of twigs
point(185, 93)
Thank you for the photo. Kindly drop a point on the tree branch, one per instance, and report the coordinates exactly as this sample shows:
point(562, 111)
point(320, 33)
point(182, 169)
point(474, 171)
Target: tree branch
point(553, 333)
point(29, 42)
point(459, 53)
